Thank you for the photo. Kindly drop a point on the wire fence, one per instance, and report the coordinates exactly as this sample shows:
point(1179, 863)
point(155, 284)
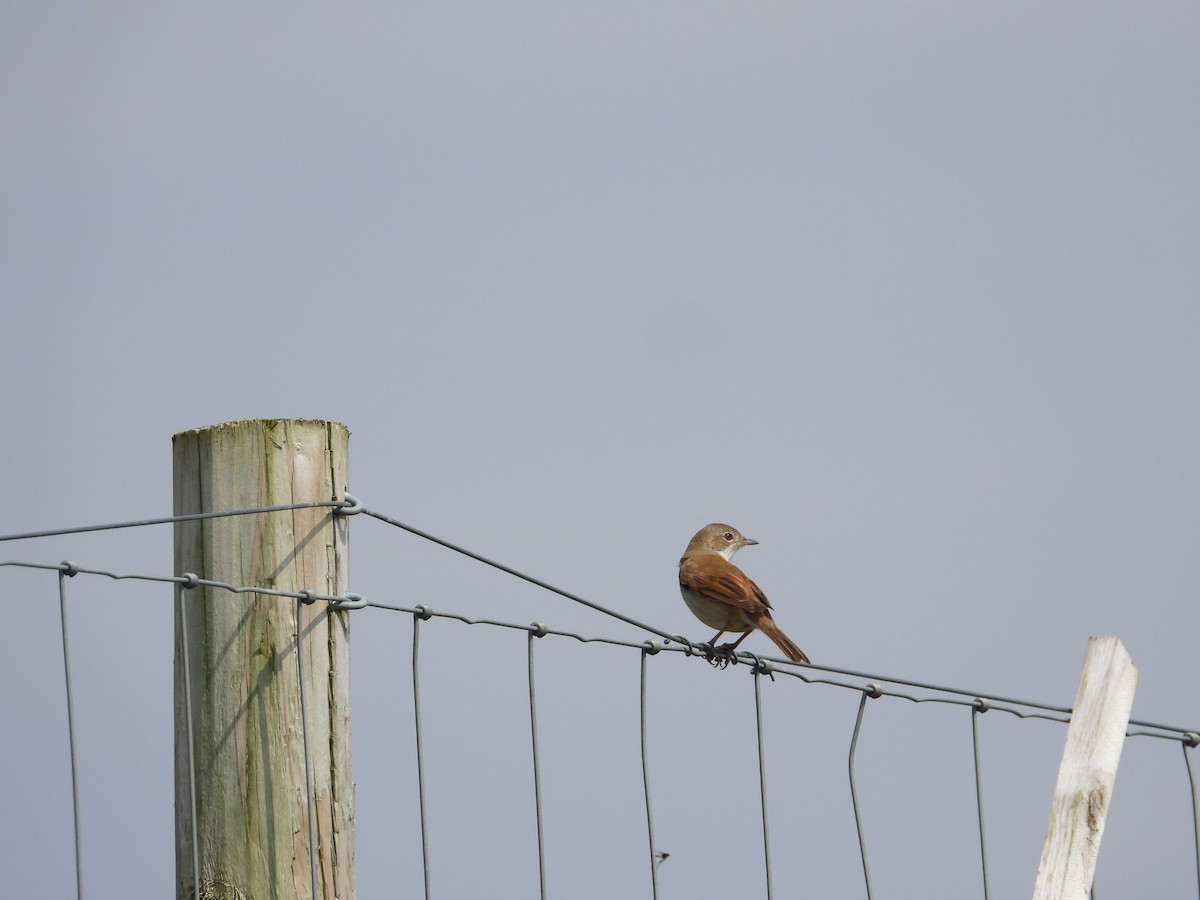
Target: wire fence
point(866, 686)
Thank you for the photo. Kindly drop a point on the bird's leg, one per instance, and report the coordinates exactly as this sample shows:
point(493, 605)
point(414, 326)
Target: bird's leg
point(745, 635)
point(726, 650)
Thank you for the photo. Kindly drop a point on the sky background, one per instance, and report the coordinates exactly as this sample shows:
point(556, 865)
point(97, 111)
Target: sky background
point(906, 292)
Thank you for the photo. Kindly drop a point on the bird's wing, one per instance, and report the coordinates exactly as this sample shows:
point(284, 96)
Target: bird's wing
point(725, 583)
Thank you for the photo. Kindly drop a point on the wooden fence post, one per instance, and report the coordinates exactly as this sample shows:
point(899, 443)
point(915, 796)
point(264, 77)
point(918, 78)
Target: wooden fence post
point(250, 820)
point(1087, 772)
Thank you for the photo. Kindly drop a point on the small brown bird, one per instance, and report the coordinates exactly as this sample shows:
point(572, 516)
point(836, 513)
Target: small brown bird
point(722, 596)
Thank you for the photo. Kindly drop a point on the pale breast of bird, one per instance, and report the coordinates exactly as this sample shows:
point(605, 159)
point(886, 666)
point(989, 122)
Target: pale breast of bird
point(715, 614)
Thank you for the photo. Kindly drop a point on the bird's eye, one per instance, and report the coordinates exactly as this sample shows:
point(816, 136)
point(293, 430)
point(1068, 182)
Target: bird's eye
point(729, 535)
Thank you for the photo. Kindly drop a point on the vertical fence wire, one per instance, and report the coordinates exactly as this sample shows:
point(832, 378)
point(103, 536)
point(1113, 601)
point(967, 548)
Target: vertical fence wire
point(308, 772)
point(980, 706)
point(536, 631)
point(762, 776)
point(651, 648)
point(1192, 741)
point(871, 691)
point(186, 663)
point(422, 613)
point(63, 575)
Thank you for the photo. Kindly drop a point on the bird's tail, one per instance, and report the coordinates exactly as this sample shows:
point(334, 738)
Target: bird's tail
point(768, 627)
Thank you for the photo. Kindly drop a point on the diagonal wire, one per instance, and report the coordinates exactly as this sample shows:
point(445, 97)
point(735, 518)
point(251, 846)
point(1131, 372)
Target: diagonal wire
point(650, 648)
point(871, 691)
point(1191, 741)
point(308, 772)
point(534, 581)
point(416, 681)
point(976, 710)
point(762, 776)
point(191, 739)
point(63, 575)
point(537, 630)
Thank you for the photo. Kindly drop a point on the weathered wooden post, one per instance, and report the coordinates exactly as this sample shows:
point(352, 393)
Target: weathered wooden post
point(1087, 772)
point(251, 810)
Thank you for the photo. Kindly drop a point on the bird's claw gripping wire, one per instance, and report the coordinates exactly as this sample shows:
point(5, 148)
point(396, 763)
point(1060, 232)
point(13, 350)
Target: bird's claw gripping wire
point(721, 656)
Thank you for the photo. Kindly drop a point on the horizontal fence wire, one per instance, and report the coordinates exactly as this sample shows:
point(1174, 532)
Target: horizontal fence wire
point(1025, 709)
point(897, 687)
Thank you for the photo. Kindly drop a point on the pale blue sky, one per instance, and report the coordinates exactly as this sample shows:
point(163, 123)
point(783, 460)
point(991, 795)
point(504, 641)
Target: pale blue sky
point(905, 292)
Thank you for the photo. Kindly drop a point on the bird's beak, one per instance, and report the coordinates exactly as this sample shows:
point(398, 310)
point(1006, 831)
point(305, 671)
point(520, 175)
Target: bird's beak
point(746, 542)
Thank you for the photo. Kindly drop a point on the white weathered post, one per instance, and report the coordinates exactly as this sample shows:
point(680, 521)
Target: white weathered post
point(251, 815)
point(1087, 772)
